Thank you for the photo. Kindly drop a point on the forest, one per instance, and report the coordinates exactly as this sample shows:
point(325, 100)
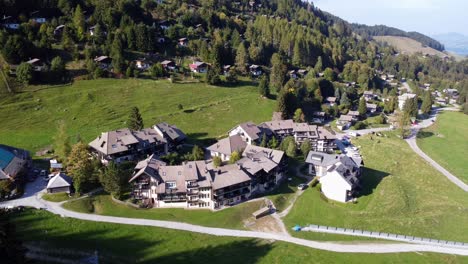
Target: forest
point(279, 36)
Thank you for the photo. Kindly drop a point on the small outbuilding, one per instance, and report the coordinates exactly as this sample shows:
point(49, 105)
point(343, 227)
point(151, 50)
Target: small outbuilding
point(59, 183)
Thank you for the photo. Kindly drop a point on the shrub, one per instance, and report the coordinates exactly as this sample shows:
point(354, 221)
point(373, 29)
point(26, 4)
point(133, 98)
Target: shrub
point(360, 125)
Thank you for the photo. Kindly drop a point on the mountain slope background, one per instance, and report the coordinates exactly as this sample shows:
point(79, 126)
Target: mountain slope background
point(454, 42)
point(408, 45)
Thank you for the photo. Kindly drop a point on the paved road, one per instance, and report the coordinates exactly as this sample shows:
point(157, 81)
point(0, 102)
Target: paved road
point(411, 140)
point(56, 208)
point(329, 246)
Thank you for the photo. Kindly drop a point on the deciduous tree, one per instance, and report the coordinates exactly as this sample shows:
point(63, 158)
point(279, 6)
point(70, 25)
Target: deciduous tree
point(24, 73)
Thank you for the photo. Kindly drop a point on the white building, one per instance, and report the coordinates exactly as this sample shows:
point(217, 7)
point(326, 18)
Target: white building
point(338, 175)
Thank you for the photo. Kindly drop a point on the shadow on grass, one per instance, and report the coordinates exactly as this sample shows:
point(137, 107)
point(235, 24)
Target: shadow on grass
point(197, 139)
point(425, 134)
point(69, 238)
point(370, 179)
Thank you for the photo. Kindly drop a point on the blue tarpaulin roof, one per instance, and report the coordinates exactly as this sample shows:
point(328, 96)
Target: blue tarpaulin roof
point(5, 158)
point(297, 228)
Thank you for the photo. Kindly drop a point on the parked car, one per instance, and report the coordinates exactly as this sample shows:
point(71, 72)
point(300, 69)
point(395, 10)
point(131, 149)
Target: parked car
point(43, 173)
point(302, 186)
point(353, 134)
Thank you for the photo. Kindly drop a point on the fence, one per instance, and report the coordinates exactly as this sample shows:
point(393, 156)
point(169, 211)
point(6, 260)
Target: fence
point(382, 235)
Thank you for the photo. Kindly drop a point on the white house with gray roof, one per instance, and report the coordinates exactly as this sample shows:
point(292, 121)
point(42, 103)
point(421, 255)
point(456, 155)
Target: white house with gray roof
point(338, 175)
point(248, 131)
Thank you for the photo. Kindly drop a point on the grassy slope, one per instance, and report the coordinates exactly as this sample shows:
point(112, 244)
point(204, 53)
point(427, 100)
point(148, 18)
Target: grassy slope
point(447, 143)
point(228, 218)
point(129, 244)
point(55, 197)
point(407, 45)
point(412, 198)
point(91, 107)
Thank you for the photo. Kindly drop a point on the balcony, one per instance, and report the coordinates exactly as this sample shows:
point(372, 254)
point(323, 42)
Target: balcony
point(192, 192)
point(192, 185)
point(174, 198)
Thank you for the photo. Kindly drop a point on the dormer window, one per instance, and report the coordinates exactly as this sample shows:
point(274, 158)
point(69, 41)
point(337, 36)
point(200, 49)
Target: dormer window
point(171, 185)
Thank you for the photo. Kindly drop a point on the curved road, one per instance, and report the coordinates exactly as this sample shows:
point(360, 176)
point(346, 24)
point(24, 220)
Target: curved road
point(411, 140)
point(32, 198)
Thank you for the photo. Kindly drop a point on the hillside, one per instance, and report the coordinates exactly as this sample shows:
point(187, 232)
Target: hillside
point(408, 46)
point(381, 30)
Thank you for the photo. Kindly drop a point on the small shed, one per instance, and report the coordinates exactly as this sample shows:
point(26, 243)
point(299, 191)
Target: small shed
point(59, 183)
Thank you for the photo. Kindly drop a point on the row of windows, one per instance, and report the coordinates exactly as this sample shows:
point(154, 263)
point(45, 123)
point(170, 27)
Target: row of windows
point(204, 195)
point(202, 204)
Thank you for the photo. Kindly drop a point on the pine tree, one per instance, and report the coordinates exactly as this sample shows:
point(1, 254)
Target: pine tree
point(427, 103)
point(79, 23)
point(319, 65)
point(216, 58)
point(273, 143)
point(297, 55)
point(110, 178)
point(135, 121)
point(242, 58)
point(263, 88)
point(337, 94)
point(403, 122)
point(345, 100)
point(281, 104)
point(362, 108)
point(212, 77)
point(278, 72)
point(117, 54)
point(57, 67)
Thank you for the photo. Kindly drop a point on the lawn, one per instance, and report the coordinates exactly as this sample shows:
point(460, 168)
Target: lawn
point(228, 218)
point(71, 238)
point(91, 107)
point(283, 196)
point(56, 197)
point(402, 194)
point(446, 142)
